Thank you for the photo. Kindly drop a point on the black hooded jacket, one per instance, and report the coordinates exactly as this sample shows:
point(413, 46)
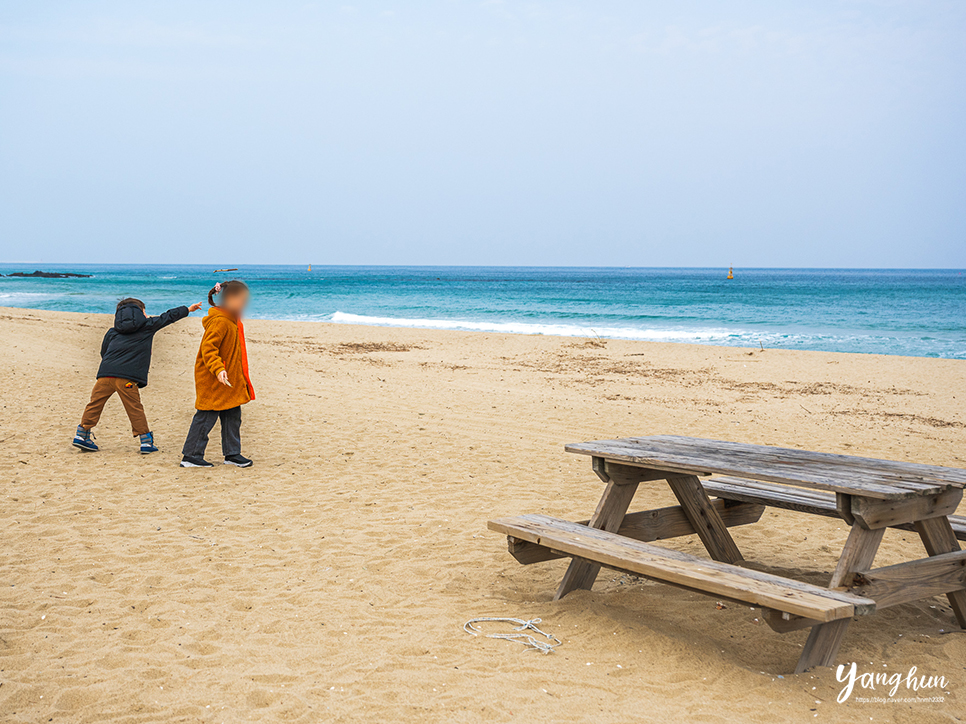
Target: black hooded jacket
point(126, 349)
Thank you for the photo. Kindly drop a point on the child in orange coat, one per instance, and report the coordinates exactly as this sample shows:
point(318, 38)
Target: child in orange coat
point(222, 384)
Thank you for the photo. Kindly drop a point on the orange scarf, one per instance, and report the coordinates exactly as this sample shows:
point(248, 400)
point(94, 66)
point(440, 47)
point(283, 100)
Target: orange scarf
point(244, 356)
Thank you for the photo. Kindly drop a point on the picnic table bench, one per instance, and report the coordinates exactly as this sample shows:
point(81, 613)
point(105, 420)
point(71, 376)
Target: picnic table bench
point(868, 495)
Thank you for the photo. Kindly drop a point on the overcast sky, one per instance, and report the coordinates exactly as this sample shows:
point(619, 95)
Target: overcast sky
point(814, 134)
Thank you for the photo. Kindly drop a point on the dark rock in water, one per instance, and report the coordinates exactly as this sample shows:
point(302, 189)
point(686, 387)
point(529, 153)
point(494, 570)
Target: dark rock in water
point(50, 275)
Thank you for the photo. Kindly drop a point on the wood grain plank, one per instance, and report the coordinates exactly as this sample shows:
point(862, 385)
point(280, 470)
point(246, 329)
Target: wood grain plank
point(854, 479)
point(676, 568)
point(822, 645)
point(704, 518)
point(814, 479)
point(899, 467)
point(912, 580)
point(938, 538)
point(852, 475)
point(824, 640)
point(785, 623)
point(843, 507)
point(648, 525)
point(609, 471)
point(845, 474)
point(873, 513)
point(803, 500)
point(857, 555)
point(608, 517)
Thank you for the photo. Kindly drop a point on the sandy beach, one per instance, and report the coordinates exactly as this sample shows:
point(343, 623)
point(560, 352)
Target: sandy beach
point(331, 581)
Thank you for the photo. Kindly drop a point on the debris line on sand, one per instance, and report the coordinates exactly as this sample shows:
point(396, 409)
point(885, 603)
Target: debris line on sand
point(519, 634)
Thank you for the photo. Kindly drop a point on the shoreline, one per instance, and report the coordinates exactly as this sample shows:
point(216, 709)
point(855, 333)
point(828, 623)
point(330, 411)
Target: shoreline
point(918, 313)
point(332, 580)
point(448, 325)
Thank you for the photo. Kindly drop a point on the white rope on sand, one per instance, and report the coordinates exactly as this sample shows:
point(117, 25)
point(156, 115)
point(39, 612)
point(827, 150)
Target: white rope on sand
point(519, 634)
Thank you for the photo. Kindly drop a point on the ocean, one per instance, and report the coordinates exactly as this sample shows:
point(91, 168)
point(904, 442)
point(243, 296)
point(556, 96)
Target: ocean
point(920, 313)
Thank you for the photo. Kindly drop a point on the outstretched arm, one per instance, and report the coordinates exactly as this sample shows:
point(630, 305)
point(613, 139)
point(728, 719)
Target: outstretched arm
point(171, 316)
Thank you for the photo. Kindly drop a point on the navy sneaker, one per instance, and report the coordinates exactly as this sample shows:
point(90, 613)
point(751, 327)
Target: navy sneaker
point(192, 462)
point(84, 440)
point(239, 461)
point(147, 443)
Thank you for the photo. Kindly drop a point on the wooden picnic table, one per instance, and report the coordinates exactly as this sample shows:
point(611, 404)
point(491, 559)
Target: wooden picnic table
point(869, 495)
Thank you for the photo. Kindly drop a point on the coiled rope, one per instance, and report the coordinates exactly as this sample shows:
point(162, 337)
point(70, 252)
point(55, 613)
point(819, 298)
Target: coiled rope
point(519, 634)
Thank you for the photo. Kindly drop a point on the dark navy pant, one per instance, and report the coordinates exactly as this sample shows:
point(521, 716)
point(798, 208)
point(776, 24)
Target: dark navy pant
point(201, 425)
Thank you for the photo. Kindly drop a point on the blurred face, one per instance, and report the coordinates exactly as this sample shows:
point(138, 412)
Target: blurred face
point(236, 303)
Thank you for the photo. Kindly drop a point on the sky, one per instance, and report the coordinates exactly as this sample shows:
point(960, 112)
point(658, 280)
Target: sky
point(554, 133)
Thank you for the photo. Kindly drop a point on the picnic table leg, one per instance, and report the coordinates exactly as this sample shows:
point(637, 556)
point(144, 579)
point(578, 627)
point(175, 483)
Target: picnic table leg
point(938, 537)
point(858, 554)
point(824, 640)
point(704, 518)
point(608, 516)
point(822, 645)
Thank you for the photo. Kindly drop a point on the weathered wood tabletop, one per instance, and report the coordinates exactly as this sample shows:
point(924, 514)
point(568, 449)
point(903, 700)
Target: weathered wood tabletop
point(867, 477)
point(870, 495)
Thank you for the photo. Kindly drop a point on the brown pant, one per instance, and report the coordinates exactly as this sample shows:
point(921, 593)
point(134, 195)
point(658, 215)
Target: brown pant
point(130, 398)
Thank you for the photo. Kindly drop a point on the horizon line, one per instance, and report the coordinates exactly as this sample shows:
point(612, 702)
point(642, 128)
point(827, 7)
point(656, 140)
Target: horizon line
point(491, 266)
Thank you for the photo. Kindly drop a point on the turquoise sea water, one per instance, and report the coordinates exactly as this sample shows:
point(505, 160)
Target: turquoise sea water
point(907, 312)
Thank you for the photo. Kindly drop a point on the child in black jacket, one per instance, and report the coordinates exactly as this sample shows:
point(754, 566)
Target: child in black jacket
point(125, 360)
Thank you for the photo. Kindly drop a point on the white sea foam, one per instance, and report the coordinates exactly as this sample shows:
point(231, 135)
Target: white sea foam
point(556, 330)
point(25, 298)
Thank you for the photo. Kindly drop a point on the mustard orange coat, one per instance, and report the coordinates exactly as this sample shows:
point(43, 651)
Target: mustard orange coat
point(222, 348)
